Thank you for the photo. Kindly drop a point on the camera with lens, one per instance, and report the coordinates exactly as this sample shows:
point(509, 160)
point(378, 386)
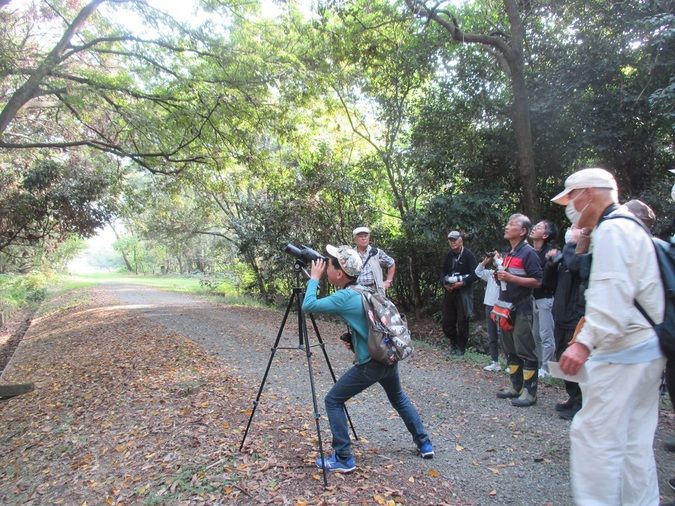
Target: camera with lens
point(303, 253)
point(347, 338)
point(455, 277)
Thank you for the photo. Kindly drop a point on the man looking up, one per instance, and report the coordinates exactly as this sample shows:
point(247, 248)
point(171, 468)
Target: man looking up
point(521, 273)
point(543, 233)
point(374, 260)
point(611, 437)
point(460, 263)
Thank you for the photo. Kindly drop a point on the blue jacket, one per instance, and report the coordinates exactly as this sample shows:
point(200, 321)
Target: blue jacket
point(348, 305)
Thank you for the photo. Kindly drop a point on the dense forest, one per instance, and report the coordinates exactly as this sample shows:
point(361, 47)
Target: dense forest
point(211, 142)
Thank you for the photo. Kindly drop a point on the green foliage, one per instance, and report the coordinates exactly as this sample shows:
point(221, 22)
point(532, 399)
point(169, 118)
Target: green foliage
point(18, 290)
point(61, 255)
point(49, 202)
point(480, 215)
point(600, 74)
point(253, 132)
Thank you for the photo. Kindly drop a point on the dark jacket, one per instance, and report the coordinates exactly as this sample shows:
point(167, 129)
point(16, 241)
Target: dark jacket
point(465, 263)
point(521, 261)
point(562, 272)
point(545, 291)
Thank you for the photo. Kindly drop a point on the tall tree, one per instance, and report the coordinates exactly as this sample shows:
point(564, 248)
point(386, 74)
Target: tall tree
point(507, 46)
point(378, 66)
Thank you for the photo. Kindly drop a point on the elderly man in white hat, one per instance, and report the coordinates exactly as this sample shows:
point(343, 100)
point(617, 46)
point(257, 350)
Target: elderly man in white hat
point(374, 260)
point(616, 352)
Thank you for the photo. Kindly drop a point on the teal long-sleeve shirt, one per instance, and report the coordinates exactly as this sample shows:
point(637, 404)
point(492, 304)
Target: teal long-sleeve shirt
point(348, 305)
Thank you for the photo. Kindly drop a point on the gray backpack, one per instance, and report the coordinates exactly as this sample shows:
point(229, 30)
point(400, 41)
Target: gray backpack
point(389, 339)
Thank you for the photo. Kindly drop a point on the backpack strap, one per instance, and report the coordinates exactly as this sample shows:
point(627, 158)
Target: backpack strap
point(375, 268)
point(373, 252)
point(635, 219)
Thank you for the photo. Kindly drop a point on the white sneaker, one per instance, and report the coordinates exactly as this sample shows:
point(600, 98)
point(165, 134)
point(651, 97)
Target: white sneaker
point(494, 366)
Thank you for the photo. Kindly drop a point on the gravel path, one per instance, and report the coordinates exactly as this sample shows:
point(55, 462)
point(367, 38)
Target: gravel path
point(492, 452)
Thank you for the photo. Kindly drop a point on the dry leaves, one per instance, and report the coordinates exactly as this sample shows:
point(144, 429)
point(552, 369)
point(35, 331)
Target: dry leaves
point(126, 412)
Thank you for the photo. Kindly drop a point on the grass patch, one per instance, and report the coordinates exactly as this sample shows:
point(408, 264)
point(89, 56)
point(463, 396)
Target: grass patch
point(173, 283)
point(222, 292)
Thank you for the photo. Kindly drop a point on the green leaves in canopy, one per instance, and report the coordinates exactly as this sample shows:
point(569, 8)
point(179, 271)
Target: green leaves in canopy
point(50, 202)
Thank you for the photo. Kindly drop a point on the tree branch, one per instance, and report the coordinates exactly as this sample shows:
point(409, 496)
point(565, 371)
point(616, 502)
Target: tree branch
point(452, 26)
point(26, 91)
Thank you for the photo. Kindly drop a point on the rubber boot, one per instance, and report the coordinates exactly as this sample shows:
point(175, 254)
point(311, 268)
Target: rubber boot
point(516, 377)
point(529, 394)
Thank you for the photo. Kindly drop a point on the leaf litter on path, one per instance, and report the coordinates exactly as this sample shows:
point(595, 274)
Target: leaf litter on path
point(127, 412)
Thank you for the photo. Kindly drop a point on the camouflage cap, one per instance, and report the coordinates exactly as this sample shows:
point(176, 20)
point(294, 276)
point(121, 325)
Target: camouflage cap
point(348, 258)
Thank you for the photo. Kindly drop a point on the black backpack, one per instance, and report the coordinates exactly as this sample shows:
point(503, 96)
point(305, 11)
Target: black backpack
point(665, 256)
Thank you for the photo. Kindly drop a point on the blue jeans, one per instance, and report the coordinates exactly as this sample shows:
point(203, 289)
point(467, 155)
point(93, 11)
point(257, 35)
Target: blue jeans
point(356, 380)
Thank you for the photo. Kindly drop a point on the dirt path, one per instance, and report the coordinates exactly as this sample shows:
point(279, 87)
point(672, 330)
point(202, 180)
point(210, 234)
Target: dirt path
point(129, 411)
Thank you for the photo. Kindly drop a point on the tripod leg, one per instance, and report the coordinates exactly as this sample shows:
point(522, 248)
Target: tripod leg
point(330, 369)
point(269, 364)
point(304, 338)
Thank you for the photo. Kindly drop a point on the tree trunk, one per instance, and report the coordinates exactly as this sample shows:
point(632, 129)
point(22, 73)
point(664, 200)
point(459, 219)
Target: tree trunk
point(258, 276)
point(510, 55)
point(124, 255)
point(520, 117)
point(520, 112)
point(415, 286)
point(413, 274)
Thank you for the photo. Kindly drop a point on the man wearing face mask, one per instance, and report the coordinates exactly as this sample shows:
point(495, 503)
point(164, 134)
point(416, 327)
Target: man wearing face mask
point(611, 437)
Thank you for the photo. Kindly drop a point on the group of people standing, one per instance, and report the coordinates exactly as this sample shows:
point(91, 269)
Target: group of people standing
point(518, 304)
point(584, 304)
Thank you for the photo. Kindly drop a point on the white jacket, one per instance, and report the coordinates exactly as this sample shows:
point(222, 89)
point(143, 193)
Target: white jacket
point(624, 269)
point(492, 288)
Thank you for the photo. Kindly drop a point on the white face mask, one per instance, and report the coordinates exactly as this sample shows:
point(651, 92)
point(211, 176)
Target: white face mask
point(570, 211)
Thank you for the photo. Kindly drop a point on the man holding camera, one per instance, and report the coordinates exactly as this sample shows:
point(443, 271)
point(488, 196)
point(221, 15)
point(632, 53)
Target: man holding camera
point(457, 277)
point(373, 259)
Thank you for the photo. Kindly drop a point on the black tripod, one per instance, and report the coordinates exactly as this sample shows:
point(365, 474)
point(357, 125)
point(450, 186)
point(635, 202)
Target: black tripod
point(297, 297)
